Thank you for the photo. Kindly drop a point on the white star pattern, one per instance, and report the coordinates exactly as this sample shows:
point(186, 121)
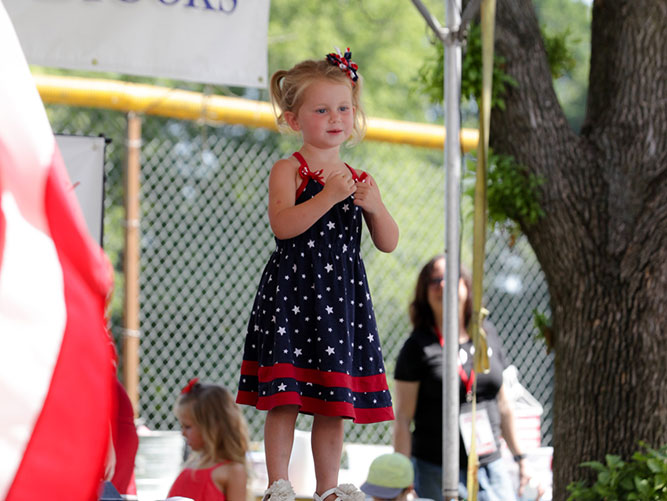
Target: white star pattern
point(322, 244)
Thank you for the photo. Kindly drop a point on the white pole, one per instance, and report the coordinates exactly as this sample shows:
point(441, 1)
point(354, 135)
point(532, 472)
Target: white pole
point(451, 39)
point(450, 328)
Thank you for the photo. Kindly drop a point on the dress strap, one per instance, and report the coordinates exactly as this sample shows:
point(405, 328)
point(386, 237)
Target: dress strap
point(306, 173)
point(304, 170)
point(355, 176)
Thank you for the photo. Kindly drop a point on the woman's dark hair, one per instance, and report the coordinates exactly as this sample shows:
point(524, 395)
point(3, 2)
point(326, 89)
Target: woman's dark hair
point(421, 314)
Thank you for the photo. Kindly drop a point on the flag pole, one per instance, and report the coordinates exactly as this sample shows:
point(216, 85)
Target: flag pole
point(131, 262)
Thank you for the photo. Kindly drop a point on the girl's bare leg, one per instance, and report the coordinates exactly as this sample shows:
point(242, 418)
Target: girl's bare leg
point(327, 444)
point(278, 440)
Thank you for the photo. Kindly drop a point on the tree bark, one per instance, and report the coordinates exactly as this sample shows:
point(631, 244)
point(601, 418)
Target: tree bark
point(602, 242)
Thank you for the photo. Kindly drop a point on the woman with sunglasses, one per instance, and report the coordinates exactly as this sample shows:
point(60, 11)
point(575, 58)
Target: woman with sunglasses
point(418, 395)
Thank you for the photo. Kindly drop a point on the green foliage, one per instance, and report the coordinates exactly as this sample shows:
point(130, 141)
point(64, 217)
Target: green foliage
point(544, 329)
point(566, 34)
point(388, 42)
point(560, 56)
point(643, 478)
point(571, 87)
point(471, 71)
point(431, 74)
point(512, 192)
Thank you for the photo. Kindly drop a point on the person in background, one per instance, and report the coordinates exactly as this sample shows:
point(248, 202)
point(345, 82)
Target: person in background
point(390, 478)
point(312, 344)
point(217, 434)
point(418, 395)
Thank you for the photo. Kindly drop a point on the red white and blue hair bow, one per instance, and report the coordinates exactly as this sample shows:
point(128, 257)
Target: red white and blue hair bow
point(343, 61)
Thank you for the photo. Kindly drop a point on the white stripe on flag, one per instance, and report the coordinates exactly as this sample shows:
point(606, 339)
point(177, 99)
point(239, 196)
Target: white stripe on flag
point(33, 310)
point(32, 306)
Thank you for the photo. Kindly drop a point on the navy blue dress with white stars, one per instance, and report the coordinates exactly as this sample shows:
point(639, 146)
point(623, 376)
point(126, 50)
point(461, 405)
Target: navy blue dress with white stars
point(312, 340)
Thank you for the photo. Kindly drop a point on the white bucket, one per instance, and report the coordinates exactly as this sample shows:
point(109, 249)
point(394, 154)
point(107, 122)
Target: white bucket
point(158, 462)
point(301, 466)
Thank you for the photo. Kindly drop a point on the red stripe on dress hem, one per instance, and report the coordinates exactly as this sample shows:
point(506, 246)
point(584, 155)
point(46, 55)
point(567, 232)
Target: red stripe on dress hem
point(357, 384)
point(309, 405)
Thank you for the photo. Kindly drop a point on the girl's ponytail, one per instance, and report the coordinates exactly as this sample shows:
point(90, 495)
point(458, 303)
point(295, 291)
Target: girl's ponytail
point(277, 96)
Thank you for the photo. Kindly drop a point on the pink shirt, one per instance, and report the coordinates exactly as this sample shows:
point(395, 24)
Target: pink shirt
point(197, 484)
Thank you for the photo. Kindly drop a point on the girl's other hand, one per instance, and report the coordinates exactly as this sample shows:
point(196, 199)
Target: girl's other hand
point(368, 195)
point(339, 186)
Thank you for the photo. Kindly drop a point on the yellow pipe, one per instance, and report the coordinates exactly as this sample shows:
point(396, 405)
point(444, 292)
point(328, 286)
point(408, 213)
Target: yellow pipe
point(188, 105)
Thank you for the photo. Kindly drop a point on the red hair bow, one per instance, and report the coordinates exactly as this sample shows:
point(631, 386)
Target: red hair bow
point(344, 63)
point(188, 387)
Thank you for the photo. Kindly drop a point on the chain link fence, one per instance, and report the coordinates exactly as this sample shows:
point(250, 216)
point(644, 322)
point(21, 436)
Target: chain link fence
point(205, 239)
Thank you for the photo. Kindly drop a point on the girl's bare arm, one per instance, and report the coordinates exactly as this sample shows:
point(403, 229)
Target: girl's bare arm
point(383, 228)
point(232, 480)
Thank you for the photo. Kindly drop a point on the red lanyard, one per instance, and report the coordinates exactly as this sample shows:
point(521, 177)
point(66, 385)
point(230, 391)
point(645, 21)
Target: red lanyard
point(467, 380)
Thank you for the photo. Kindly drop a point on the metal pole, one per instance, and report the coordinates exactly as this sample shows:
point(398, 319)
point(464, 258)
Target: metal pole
point(131, 262)
point(450, 328)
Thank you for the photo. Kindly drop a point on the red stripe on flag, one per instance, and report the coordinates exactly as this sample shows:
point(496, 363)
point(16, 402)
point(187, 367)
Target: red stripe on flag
point(64, 458)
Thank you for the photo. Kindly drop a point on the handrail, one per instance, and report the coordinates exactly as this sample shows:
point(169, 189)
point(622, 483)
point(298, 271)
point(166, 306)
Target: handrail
point(189, 105)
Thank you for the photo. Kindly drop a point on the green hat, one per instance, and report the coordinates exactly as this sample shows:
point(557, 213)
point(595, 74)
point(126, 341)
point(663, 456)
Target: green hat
point(388, 475)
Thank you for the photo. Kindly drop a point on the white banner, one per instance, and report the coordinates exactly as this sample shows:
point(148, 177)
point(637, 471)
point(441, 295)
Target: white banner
point(84, 160)
point(209, 41)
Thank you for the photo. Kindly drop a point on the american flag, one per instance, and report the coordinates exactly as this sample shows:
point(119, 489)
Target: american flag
point(56, 359)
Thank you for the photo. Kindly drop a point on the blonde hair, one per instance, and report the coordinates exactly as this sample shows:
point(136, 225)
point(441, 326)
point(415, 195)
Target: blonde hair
point(220, 422)
point(288, 87)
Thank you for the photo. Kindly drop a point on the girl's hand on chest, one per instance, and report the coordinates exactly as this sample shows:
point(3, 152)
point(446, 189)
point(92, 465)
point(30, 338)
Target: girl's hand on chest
point(338, 186)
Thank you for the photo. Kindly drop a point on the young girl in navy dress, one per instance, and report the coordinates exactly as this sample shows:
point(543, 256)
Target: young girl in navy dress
point(312, 344)
point(216, 432)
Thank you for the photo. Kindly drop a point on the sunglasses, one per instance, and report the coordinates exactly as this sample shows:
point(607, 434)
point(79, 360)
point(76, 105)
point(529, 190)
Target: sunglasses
point(435, 281)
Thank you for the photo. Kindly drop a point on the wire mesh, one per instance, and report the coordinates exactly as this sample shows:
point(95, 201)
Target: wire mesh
point(205, 239)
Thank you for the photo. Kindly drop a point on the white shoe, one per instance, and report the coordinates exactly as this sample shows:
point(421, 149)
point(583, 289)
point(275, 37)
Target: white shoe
point(344, 492)
point(280, 490)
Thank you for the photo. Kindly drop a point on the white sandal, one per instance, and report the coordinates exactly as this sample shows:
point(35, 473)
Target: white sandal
point(280, 490)
point(344, 492)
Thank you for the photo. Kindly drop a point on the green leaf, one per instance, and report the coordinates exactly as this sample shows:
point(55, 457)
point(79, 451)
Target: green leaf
point(614, 461)
point(656, 466)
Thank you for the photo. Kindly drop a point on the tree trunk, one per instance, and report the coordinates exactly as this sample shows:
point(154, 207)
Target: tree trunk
point(602, 242)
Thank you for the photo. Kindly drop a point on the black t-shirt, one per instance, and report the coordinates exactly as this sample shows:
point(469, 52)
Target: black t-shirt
point(420, 359)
